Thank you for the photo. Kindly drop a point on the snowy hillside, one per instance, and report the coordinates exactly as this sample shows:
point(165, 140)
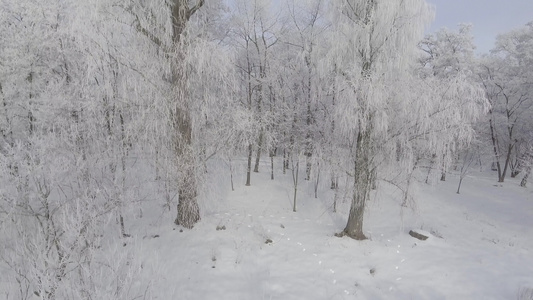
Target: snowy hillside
point(250, 245)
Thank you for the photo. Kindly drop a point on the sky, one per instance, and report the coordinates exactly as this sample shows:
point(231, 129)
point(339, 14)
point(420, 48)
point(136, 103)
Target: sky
point(488, 17)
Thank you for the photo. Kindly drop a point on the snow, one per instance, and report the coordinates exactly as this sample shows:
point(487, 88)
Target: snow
point(479, 247)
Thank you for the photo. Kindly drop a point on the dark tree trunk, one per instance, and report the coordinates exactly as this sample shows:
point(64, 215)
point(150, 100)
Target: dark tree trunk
point(459, 187)
point(495, 147)
point(523, 183)
point(507, 161)
point(295, 171)
point(258, 156)
point(272, 153)
point(308, 166)
point(249, 166)
point(188, 209)
point(231, 174)
point(362, 186)
point(285, 161)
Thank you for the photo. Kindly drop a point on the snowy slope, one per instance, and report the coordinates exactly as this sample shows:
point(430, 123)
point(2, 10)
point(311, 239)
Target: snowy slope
point(480, 245)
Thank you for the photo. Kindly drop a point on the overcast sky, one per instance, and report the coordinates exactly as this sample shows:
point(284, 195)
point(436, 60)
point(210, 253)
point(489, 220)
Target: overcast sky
point(489, 17)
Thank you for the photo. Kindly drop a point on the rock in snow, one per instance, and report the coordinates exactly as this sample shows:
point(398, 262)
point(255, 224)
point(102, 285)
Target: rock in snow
point(418, 235)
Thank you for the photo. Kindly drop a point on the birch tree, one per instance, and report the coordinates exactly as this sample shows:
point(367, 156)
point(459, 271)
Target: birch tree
point(375, 39)
point(386, 111)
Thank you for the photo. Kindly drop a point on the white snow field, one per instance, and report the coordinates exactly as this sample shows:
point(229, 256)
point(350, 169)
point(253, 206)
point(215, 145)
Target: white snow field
point(480, 244)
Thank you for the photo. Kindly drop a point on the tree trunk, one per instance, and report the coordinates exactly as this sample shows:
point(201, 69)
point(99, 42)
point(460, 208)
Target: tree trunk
point(507, 161)
point(188, 209)
point(231, 174)
point(295, 170)
point(249, 167)
point(459, 187)
point(409, 181)
point(272, 153)
point(523, 183)
point(362, 185)
point(335, 199)
point(431, 163)
point(259, 147)
point(308, 166)
point(317, 182)
point(495, 147)
point(285, 162)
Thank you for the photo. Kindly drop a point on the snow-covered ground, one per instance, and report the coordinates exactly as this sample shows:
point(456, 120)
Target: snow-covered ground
point(480, 245)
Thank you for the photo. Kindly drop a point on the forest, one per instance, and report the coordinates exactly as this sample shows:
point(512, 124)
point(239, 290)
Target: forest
point(115, 114)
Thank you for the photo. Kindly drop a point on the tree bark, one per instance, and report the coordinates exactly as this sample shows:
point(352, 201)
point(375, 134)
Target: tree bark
point(188, 209)
point(459, 187)
point(295, 171)
point(523, 183)
point(495, 147)
point(272, 153)
point(249, 168)
point(362, 185)
point(507, 161)
point(259, 148)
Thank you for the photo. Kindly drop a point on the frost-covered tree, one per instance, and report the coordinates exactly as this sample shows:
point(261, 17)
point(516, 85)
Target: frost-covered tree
point(373, 39)
point(255, 31)
point(447, 55)
point(163, 25)
point(306, 42)
point(387, 112)
point(507, 78)
point(59, 161)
